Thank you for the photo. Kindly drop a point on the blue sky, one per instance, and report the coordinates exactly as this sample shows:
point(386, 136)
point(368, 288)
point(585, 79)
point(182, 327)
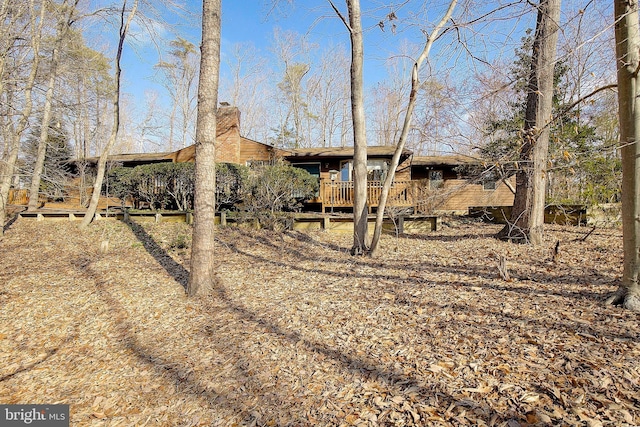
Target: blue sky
point(484, 44)
point(254, 21)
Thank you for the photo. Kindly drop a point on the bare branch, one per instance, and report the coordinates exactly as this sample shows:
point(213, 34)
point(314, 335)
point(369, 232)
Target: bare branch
point(341, 16)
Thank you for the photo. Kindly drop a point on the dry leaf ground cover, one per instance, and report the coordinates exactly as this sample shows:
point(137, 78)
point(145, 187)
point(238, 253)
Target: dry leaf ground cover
point(296, 332)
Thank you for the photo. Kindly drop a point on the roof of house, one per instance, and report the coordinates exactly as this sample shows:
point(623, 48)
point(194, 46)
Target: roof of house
point(375, 151)
point(447, 160)
point(135, 157)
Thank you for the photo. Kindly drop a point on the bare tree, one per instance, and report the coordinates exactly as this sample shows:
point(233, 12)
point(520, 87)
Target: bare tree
point(202, 250)
point(527, 218)
point(387, 111)
point(415, 84)
point(66, 12)
point(360, 209)
point(627, 36)
point(292, 51)
point(179, 78)
point(102, 161)
point(327, 94)
point(34, 27)
point(248, 90)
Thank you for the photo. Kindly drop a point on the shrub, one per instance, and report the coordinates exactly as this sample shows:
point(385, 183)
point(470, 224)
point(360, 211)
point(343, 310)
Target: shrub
point(277, 188)
point(231, 181)
point(162, 185)
point(262, 191)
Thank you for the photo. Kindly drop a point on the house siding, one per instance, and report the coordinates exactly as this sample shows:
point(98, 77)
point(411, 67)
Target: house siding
point(230, 146)
point(459, 195)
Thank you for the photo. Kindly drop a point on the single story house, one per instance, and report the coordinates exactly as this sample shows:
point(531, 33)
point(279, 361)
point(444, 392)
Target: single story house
point(334, 168)
point(451, 184)
point(423, 184)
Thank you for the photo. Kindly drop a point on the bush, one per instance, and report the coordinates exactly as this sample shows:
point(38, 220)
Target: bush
point(120, 183)
point(231, 180)
point(262, 191)
point(274, 189)
point(162, 185)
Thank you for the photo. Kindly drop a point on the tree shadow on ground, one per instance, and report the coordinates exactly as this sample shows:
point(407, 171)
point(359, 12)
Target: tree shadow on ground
point(49, 353)
point(427, 269)
point(171, 266)
point(444, 238)
point(13, 218)
point(254, 324)
point(244, 407)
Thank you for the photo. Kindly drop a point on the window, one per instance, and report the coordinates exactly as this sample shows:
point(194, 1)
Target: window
point(312, 168)
point(258, 163)
point(376, 170)
point(489, 184)
point(345, 170)
point(436, 179)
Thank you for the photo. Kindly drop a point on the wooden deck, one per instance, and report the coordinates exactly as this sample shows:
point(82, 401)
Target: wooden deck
point(339, 194)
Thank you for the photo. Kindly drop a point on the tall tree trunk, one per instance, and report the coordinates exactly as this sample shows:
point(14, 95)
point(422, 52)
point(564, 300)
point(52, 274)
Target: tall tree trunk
point(395, 160)
point(627, 35)
point(9, 166)
point(202, 273)
point(527, 217)
point(360, 209)
point(64, 23)
point(102, 161)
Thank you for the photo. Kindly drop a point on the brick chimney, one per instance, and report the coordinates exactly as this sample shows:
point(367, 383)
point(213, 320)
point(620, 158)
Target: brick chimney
point(227, 140)
point(228, 133)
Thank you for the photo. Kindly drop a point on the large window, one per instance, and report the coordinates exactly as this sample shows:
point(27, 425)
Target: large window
point(312, 168)
point(376, 170)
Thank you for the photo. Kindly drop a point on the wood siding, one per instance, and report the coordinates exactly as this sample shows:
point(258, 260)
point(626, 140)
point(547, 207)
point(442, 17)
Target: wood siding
point(458, 195)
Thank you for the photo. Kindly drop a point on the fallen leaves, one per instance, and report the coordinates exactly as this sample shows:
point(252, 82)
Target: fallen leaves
point(298, 332)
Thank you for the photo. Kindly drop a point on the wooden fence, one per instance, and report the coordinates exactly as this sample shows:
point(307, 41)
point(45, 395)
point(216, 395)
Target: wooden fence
point(21, 197)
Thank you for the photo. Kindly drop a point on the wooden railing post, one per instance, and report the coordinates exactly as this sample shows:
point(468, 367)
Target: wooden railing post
point(340, 194)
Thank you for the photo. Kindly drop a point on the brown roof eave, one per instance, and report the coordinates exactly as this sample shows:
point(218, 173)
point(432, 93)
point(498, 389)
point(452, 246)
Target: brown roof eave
point(345, 152)
point(451, 160)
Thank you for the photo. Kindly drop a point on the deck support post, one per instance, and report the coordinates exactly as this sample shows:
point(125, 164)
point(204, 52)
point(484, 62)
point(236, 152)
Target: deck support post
point(326, 223)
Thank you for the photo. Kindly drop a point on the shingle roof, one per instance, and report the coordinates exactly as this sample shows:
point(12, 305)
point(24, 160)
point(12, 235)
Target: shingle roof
point(447, 160)
point(380, 150)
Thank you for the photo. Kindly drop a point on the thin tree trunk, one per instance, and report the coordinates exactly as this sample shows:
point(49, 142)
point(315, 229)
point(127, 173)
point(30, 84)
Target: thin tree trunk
point(102, 161)
point(360, 208)
point(627, 35)
point(64, 23)
point(7, 175)
point(395, 160)
point(527, 218)
point(202, 274)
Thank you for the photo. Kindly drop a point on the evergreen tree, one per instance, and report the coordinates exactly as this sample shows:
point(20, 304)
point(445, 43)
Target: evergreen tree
point(581, 167)
point(56, 170)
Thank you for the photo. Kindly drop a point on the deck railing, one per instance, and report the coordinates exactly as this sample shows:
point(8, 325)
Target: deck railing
point(339, 194)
